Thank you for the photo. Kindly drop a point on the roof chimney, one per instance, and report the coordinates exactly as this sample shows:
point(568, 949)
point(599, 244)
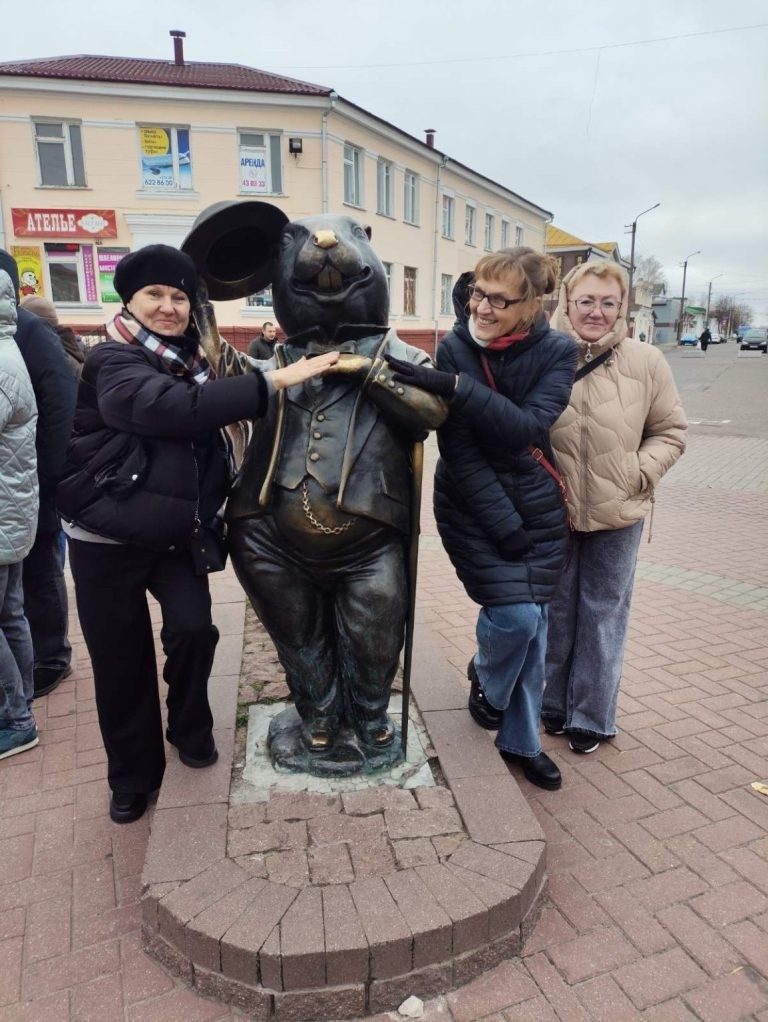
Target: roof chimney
point(178, 46)
point(430, 133)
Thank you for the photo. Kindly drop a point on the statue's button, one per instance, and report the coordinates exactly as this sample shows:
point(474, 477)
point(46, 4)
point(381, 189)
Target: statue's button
point(391, 383)
point(400, 390)
point(382, 377)
point(317, 435)
point(314, 456)
point(321, 417)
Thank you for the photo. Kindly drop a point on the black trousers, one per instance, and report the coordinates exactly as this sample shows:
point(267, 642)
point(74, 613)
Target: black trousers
point(111, 585)
point(337, 621)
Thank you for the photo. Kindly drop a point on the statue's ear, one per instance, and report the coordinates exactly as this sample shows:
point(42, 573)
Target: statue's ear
point(368, 230)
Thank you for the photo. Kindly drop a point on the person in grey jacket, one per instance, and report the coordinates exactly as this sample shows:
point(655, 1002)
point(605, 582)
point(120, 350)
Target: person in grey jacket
point(18, 520)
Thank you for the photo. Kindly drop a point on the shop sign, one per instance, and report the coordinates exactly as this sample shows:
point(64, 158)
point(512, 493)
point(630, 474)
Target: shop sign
point(108, 260)
point(29, 260)
point(64, 223)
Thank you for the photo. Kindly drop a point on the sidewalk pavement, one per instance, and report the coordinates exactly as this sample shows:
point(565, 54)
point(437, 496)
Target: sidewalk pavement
point(657, 905)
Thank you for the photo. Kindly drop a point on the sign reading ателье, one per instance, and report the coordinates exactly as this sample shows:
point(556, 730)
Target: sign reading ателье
point(64, 223)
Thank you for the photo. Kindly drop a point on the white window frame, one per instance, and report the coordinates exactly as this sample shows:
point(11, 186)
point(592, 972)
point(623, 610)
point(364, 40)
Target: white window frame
point(470, 224)
point(173, 130)
point(353, 175)
point(490, 227)
point(448, 216)
point(260, 300)
point(504, 239)
point(272, 148)
point(446, 294)
point(407, 279)
point(518, 234)
point(411, 197)
point(385, 187)
point(65, 140)
point(52, 258)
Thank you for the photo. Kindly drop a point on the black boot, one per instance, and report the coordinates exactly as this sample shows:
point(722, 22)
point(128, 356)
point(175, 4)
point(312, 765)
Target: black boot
point(125, 807)
point(480, 709)
point(539, 770)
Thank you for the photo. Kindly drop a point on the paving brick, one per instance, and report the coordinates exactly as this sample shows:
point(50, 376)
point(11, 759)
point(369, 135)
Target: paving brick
point(339, 1003)
point(388, 934)
point(551, 928)
point(241, 943)
point(730, 998)
point(494, 810)
point(421, 822)
point(601, 950)
point(246, 815)
point(712, 806)
point(560, 996)
point(466, 910)
point(666, 888)
point(535, 1010)
point(433, 797)
point(48, 929)
point(751, 941)
point(252, 1001)
point(377, 800)
point(191, 898)
point(100, 999)
point(267, 837)
point(372, 858)
point(647, 786)
point(730, 903)
point(71, 969)
point(300, 805)
point(674, 821)
point(465, 750)
point(751, 866)
point(346, 947)
point(429, 923)
point(636, 922)
point(702, 942)
point(728, 833)
point(712, 868)
point(418, 851)
point(330, 864)
point(185, 842)
point(142, 977)
point(622, 810)
point(659, 977)
point(10, 970)
point(206, 929)
point(422, 983)
point(17, 854)
point(578, 907)
point(49, 1008)
point(289, 868)
point(653, 853)
point(178, 1005)
point(671, 1011)
point(605, 1001)
point(337, 828)
point(613, 871)
point(506, 985)
point(302, 942)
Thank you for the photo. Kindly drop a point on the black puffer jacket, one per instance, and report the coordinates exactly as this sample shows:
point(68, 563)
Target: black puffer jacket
point(136, 418)
point(487, 485)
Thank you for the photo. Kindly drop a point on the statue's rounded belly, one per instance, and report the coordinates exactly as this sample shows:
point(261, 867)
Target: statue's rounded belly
point(312, 524)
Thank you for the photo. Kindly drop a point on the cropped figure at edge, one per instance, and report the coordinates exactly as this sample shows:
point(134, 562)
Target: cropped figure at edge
point(320, 515)
point(624, 427)
point(499, 510)
point(146, 467)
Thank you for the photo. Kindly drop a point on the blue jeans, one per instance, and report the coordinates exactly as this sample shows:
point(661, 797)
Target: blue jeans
point(588, 631)
point(512, 641)
point(16, 684)
point(45, 602)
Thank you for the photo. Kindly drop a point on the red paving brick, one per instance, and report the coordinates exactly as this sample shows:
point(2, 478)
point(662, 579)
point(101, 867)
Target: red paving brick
point(657, 903)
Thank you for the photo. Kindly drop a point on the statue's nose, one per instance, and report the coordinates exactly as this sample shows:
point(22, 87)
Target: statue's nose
point(325, 239)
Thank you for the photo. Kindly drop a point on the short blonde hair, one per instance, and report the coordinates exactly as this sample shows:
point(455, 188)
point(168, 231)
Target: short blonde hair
point(538, 273)
point(600, 268)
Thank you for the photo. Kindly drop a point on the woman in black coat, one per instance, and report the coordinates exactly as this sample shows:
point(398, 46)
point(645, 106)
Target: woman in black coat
point(146, 470)
point(499, 508)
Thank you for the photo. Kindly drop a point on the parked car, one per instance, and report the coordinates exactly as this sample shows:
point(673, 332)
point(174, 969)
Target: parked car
point(755, 339)
point(718, 338)
point(689, 339)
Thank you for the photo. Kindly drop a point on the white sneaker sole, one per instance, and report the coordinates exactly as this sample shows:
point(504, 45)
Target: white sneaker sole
point(584, 752)
point(20, 748)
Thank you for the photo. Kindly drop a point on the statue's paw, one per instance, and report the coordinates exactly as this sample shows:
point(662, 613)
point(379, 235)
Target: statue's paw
point(319, 735)
point(378, 733)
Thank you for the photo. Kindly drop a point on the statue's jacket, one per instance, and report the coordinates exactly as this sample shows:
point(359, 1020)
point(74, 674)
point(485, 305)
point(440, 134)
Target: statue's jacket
point(353, 436)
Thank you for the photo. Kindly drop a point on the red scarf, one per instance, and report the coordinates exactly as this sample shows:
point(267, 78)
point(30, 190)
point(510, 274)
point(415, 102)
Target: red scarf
point(500, 343)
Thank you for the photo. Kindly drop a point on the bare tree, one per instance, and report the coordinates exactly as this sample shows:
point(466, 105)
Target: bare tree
point(649, 270)
point(728, 311)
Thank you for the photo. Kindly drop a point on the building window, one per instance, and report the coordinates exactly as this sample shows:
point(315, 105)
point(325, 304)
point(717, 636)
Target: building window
point(488, 232)
point(446, 294)
point(470, 225)
point(385, 199)
point(60, 154)
point(504, 243)
point(261, 171)
point(448, 209)
point(409, 290)
point(166, 164)
point(411, 198)
point(518, 235)
point(353, 175)
point(71, 273)
point(261, 300)
point(388, 272)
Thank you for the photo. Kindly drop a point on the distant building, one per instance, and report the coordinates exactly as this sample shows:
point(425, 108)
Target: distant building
point(571, 251)
point(667, 313)
point(102, 155)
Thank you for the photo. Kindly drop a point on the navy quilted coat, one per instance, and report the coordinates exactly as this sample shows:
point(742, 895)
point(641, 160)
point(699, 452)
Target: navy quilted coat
point(487, 485)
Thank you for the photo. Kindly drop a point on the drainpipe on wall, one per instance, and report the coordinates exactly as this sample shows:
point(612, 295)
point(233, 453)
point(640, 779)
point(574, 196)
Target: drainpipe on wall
point(435, 248)
point(324, 146)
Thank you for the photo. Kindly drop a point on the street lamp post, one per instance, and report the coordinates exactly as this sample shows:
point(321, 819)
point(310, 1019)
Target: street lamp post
point(682, 300)
point(709, 294)
point(633, 226)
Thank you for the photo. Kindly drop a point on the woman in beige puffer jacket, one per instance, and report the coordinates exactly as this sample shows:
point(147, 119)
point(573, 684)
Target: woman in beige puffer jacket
point(624, 427)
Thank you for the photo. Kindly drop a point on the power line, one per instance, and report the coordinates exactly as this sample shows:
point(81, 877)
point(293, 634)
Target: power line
point(518, 56)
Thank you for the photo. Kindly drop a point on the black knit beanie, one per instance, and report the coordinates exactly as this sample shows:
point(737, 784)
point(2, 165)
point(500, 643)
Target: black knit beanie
point(8, 263)
point(155, 264)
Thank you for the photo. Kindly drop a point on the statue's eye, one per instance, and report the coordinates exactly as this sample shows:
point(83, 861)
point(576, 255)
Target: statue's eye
point(359, 232)
point(286, 241)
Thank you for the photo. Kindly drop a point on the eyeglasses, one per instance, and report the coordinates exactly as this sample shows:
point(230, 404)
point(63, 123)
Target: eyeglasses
point(495, 301)
point(588, 304)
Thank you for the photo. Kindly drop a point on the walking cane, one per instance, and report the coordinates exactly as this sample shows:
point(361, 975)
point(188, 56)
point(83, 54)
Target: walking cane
point(417, 463)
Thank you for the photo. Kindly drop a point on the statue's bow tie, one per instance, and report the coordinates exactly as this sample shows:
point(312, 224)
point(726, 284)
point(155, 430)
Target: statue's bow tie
point(348, 347)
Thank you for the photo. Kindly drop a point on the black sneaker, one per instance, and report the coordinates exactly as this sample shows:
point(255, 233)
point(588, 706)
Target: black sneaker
point(480, 709)
point(553, 725)
point(584, 744)
point(125, 807)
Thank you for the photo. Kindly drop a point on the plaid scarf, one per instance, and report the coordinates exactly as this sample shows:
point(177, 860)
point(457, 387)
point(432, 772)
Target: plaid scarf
point(181, 361)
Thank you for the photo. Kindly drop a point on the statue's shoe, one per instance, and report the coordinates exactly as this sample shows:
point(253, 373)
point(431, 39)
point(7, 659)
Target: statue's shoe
point(319, 734)
point(378, 733)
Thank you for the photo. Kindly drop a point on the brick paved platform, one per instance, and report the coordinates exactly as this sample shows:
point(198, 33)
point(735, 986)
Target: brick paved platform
point(657, 902)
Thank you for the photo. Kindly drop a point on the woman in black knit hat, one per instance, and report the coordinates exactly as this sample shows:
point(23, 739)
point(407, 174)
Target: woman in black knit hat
point(147, 469)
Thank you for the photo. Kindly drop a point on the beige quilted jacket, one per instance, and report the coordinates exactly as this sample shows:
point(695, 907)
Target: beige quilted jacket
point(624, 427)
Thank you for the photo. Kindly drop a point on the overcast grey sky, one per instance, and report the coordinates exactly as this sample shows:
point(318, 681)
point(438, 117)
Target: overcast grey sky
point(595, 112)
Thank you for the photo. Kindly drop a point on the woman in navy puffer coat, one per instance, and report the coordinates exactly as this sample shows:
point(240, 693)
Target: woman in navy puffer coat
point(499, 511)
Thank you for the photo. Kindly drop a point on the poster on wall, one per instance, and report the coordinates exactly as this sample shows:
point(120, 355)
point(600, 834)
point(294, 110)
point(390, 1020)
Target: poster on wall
point(89, 274)
point(253, 169)
point(165, 159)
point(108, 260)
point(29, 260)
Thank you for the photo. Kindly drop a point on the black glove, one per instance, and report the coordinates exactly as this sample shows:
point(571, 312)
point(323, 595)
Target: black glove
point(513, 547)
point(425, 377)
